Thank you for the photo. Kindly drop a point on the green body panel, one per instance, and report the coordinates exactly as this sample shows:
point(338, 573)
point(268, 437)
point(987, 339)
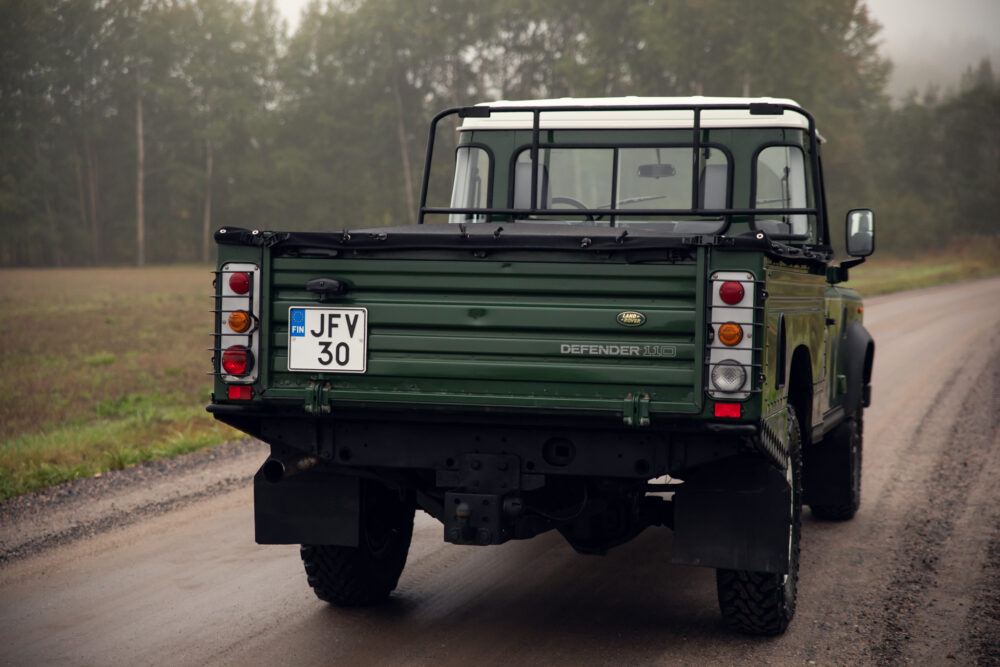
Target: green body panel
point(843, 306)
point(493, 333)
point(811, 315)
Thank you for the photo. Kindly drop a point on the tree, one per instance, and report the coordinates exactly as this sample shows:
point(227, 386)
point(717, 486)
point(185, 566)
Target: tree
point(132, 129)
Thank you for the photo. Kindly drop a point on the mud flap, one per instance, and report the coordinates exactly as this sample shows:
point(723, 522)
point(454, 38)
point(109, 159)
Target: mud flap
point(734, 517)
point(307, 508)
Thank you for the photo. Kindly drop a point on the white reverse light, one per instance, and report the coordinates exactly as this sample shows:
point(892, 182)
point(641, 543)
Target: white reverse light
point(728, 376)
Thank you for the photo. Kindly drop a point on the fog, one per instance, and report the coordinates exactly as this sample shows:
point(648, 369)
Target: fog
point(930, 42)
point(933, 42)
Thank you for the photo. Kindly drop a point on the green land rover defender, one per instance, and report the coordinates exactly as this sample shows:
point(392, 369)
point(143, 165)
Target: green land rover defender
point(626, 318)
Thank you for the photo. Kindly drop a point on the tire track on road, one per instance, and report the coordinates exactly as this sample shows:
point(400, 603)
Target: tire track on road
point(945, 534)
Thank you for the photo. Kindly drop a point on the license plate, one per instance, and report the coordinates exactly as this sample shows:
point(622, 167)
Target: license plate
point(332, 340)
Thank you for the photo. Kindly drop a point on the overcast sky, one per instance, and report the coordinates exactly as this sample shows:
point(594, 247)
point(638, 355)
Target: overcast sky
point(930, 41)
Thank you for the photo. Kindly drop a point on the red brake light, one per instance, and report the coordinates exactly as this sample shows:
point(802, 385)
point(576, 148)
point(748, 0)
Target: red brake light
point(727, 410)
point(731, 292)
point(239, 282)
point(237, 360)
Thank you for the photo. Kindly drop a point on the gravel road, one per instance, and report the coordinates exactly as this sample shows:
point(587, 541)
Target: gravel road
point(157, 564)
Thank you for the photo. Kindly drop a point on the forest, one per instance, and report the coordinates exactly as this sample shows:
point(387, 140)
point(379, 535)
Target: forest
point(132, 129)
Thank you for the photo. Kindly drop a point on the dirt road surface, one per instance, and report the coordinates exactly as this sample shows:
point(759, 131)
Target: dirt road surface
point(164, 570)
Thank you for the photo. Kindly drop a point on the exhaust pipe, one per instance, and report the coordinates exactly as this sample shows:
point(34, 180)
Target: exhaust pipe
point(274, 469)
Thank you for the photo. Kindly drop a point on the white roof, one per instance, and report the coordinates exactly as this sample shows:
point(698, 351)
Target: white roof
point(639, 119)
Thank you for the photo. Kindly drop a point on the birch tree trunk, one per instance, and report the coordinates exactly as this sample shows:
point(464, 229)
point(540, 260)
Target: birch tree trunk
point(140, 185)
point(90, 167)
point(404, 153)
point(81, 192)
point(54, 242)
point(206, 239)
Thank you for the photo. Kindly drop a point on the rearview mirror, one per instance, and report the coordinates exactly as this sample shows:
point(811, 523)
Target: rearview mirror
point(656, 170)
point(860, 232)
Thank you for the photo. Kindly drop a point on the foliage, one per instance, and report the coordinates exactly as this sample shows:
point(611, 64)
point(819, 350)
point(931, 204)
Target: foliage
point(324, 128)
point(938, 165)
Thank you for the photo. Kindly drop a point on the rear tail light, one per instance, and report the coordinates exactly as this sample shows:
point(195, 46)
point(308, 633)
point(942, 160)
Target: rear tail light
point(731, 292)
point(730, 347)
point(237, 360)
point(237, 323)
point(239, 282)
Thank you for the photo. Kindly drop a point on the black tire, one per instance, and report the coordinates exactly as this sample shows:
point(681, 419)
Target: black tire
point(366, 574)
point(841, 457)
point(761, 603)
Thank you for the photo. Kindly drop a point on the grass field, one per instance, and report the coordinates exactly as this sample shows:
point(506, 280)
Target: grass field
point(104, 368)
point(884, 273)
point(100, 369)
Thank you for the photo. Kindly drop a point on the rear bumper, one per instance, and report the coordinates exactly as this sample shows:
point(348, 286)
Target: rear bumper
point(599, 447)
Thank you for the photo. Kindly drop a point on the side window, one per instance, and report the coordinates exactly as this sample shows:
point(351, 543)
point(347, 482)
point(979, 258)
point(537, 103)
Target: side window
point(472, 173)
point(781, 183)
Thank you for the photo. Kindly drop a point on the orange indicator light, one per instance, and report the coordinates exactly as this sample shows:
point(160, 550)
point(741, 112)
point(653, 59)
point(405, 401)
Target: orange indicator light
point(240, 321)
point(730, 333)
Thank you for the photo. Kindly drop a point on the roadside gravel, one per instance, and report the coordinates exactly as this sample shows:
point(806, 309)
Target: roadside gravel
point(86, 507)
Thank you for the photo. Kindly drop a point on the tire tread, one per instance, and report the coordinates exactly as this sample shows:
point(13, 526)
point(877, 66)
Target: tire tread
point(358, 576)
point(758, 603)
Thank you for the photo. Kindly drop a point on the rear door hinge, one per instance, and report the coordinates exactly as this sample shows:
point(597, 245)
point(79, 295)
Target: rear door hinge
point(317, 402)
point(635, 409)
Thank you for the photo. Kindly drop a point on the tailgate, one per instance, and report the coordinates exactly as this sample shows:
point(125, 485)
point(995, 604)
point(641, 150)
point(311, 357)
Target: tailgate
point(539, 336)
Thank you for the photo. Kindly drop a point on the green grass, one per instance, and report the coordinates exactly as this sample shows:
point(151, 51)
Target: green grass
point(104, 368)
point(100, 359)
point(72, 450)
point(883, 274)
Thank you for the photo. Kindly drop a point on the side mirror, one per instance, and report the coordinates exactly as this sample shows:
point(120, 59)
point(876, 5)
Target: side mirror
point(860, 230)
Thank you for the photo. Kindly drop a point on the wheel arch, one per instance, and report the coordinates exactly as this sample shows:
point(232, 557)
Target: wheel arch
point(860, 348)
point(800, 388)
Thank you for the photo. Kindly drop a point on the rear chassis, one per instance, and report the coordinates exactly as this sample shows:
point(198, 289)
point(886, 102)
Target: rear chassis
point(495, 479)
